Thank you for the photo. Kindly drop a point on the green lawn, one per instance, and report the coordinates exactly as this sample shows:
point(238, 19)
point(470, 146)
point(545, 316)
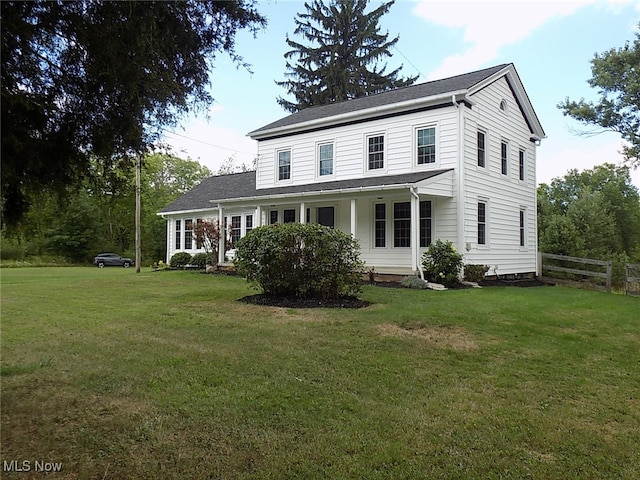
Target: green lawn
point(165, 375)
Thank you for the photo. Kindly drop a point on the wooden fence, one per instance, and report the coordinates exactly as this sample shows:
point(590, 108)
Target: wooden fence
point(604, 273)
point(633, 279)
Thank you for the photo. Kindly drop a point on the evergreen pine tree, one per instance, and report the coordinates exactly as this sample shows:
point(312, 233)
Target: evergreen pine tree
point(341, 60)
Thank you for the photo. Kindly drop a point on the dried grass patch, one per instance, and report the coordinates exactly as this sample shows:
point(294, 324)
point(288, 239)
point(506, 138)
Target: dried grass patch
point(454, 338)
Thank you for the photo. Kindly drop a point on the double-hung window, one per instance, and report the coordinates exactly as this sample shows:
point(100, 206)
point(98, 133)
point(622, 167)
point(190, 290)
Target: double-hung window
point(236, 228)
point(284, 164)
point(481, 148)
point(248, 224)
point(521, 164)
point(178, 234)
point(522, 227)
point(273, 217)
point(504, 157)
point(425, 223)
point(380, 225)
point(482, 223)
point(426, 145)
point(325, 159)
point(188, 234)
point(375, 151)
point(402, 224)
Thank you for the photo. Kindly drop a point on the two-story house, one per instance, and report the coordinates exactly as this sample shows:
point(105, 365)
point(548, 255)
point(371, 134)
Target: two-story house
point(452, 159)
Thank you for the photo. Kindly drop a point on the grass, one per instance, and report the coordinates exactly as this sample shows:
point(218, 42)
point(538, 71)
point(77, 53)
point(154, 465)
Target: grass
point(165, 375)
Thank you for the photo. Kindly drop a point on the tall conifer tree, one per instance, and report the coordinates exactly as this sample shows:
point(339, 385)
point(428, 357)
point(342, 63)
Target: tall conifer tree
point(340, 61)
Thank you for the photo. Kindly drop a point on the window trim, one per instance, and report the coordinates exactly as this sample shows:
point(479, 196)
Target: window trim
point(522, 164)
point(522, 213)
point(482, 132)
point(415, 154)
point(399, 241)
point(367, 159)
point(504, 157)
point(188, 234)
point(485, 223)
point(380, 221)
point(278, 166)
point(178, 234)
point(319, 145)
point(428, 224)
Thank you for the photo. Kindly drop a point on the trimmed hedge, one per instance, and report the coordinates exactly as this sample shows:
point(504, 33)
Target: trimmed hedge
point(180, 259)
point(300, 260)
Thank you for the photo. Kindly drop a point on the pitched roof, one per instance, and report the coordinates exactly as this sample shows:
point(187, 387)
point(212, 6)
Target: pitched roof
point(399, 95)
point(239, 186)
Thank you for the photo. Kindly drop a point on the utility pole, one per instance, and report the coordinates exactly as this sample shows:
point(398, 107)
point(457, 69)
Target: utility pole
point(138, 249)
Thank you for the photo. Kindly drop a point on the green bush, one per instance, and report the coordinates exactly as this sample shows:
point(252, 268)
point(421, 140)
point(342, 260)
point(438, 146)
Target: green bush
point(415, 283)
point(300, 260)
point(475, 273)
point(180, 259)
point(442, 263)
point(202, 260)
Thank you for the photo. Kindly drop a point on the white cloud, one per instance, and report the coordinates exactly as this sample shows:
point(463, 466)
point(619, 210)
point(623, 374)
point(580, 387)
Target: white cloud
point(488, 26)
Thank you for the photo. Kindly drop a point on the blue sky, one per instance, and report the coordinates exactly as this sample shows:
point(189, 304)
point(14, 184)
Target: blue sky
point(550, 42)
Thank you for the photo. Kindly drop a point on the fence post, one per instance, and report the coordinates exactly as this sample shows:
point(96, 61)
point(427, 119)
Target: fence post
point(609, 269)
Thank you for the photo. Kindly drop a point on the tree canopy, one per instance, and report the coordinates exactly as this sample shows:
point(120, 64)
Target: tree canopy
point(100, 79)
point(340, 59)
point(616, 75)
point(594, 213)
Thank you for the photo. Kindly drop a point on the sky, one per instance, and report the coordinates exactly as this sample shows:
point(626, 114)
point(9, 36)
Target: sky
point(550, 42)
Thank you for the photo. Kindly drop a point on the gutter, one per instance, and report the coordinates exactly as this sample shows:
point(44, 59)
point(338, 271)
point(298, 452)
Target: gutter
point(259, 134)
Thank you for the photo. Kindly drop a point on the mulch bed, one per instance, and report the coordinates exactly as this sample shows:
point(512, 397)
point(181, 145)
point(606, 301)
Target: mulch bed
point(295, 302)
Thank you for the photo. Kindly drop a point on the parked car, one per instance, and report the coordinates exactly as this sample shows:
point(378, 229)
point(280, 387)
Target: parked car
point(111, 259)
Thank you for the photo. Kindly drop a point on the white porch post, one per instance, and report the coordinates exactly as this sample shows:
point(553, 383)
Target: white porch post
point(258, 216)
point(303, 213)
point(221, 234)
point(353, 217)
point(415, 231)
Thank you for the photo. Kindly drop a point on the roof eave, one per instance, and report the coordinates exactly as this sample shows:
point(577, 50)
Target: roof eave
point(456, 96)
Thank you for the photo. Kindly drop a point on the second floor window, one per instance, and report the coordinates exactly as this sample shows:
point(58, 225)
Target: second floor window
point(426, 141)
point(376, 152)
point(481, 149)
point(325, 159)
point(284, 165)
point(504, 157)
point(521, 162)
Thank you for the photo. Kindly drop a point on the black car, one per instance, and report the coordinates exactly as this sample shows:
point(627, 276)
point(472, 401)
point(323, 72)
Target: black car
point(111, 259)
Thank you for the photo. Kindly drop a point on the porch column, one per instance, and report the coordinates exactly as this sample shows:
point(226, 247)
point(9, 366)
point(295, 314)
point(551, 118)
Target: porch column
point(415, 231)
point(258, 216)
point(353, 217)
point(303, 213)
point(221, 234)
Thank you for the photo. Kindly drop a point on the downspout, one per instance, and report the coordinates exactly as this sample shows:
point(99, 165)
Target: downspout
point(461, 194)
point(416, 240)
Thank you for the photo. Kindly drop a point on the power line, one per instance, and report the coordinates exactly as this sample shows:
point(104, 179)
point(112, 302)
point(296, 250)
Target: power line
point(410, 62)
point(208, 144)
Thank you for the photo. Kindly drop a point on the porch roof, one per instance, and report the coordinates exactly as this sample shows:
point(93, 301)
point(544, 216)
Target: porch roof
point(241, 187)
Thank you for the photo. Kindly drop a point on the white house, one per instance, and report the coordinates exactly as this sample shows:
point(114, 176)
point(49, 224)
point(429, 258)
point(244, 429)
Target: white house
point(453, 159)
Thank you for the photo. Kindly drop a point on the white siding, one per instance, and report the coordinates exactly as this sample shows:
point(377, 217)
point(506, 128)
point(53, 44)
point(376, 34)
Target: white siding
point(350, 159)
point(505, 194)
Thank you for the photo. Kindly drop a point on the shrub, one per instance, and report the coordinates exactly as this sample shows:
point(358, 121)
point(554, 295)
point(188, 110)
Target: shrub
point(300, 260)
point(415, 283)
point(475, 273)
point(202, 260)
point(442, 263)
point(180, 259)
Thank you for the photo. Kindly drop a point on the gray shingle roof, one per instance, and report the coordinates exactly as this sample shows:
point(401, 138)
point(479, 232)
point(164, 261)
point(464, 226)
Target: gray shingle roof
point(421, 90)
point(240, 186)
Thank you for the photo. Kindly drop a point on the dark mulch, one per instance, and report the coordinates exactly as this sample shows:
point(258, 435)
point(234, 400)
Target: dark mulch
point(295, 302)
point(525, 282)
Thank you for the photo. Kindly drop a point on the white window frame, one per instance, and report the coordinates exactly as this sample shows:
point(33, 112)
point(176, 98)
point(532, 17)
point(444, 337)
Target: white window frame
point(386, 225)
point(485, 148)
point(415, 146)
point(487, 223)
point(504, 161)
point(277, 173)
point(319, 160)
point(522, 164)
point(367, 164)
point(522, 228)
